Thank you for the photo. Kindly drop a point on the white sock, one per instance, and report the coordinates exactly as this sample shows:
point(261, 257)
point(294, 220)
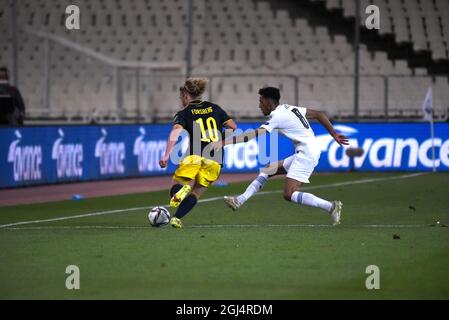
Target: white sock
point(310, 200)
point(254, 187)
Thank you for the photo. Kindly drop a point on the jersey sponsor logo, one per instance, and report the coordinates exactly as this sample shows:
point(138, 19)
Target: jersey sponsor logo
point(111, 155)
point(385, 152)
point(148, 153)
point(69, 157)
point(26, 160)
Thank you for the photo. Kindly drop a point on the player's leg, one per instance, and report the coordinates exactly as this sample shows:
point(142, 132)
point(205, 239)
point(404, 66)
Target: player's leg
point(298, 174)
point(207, 174)
point(178, 191)
point(187, 204)
point(273, 169)
point(183, 180)
point(292, 193)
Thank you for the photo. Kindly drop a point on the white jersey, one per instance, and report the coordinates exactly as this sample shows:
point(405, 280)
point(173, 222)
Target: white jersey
point(291, 121)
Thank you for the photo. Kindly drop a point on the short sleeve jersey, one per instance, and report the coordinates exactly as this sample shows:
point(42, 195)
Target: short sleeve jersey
point(204, 121)
point(291, 121)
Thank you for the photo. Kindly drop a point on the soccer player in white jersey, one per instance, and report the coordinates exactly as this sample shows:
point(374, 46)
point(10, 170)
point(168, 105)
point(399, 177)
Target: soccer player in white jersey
point(292, 122)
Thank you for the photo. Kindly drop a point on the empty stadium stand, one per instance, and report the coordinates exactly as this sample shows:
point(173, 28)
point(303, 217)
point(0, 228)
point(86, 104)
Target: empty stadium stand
point(127, 60)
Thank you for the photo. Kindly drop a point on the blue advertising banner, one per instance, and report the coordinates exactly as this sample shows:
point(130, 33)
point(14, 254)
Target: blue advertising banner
point(42, 155)
point(387, 147)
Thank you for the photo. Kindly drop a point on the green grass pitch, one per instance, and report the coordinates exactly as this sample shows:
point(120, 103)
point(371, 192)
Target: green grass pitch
point(270, 249)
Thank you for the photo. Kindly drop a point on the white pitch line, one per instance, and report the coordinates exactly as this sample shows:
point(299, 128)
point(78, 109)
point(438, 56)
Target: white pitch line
point(308, 226)
point(73, 217)
point(100, 213)
point(219, 226)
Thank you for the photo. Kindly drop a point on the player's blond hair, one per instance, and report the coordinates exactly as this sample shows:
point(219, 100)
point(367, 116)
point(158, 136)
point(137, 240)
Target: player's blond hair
point(195, 86)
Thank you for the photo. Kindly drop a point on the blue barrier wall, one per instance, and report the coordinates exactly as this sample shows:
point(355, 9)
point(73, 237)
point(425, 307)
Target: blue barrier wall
point(388, 147)
point(41, 155)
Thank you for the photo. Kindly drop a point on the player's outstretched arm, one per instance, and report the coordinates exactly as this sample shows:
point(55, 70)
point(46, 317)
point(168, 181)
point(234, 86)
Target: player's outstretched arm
point(244, 137)
point(324, 120)
point(172, 139)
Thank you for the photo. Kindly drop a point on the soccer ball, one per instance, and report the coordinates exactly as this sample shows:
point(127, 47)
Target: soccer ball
point(159, 216)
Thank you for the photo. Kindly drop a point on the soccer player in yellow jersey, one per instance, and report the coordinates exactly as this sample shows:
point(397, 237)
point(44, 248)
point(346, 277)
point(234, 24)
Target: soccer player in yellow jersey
point(204, 121)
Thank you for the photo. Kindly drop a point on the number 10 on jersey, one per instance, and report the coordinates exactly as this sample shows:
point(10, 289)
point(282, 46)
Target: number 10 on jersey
point(212, 129)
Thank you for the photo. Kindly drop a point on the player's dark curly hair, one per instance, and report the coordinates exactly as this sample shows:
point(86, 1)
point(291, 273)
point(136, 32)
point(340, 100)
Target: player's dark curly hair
point(270, 93)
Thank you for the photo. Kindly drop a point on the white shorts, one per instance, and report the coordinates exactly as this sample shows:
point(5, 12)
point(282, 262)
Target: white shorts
point(300, 168)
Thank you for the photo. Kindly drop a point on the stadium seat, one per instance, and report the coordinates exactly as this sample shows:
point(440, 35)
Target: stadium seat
point(230, 37)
